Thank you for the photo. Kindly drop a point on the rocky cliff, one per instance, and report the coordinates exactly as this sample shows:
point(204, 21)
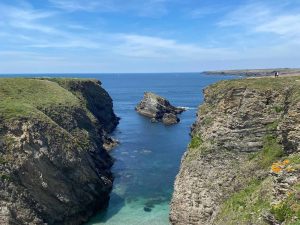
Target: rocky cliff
point(243, 163)
point(53, 167)
point(257, 72)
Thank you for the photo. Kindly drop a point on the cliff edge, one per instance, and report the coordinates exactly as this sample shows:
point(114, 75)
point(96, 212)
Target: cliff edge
point(53, 167)
point(258, 72)
point(243, 163)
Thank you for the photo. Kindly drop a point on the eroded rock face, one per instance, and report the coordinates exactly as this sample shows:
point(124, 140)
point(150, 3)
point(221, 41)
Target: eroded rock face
point(230, 130)
point(54, 169)
point(158, 109)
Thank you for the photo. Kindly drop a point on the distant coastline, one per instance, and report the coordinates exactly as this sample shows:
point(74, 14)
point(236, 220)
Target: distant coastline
point(257, 72)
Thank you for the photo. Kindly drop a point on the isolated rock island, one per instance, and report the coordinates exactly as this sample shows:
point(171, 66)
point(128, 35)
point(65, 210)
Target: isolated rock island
point(53, 166)
point(158, 109)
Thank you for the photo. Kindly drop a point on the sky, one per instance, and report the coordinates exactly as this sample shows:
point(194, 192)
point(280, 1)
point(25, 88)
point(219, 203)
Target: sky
point(124, 36)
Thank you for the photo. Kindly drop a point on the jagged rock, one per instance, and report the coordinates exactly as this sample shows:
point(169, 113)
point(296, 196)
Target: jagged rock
point(109, 143)
point(158, 109)
point(232, 126)
point(170, 118)
point(53, 167)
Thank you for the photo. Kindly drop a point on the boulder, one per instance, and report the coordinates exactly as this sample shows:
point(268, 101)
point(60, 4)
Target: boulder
point(158, 109)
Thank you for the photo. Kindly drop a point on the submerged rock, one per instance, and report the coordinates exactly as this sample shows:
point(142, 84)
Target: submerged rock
point(158, 109)
point(147, 209)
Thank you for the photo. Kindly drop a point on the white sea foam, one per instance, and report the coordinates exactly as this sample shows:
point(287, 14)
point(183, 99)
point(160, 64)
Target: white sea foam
point(186, 108)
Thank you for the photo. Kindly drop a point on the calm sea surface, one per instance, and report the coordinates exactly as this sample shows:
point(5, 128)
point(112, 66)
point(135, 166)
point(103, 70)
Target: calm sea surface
point(148, 157)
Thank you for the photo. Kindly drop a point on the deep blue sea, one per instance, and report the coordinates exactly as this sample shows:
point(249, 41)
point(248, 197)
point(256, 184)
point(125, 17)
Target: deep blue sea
point(148, 158)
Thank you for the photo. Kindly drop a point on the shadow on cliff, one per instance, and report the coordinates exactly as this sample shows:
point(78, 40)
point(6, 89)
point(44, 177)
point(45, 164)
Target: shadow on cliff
point(118, 203)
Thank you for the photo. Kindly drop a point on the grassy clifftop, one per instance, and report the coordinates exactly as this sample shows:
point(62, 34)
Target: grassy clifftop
point(257, 72)
point(243, 164)
point(21, 97)
point(280, 84)
point(53, 165)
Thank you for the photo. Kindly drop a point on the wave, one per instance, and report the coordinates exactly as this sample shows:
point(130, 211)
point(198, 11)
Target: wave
point(186, 108)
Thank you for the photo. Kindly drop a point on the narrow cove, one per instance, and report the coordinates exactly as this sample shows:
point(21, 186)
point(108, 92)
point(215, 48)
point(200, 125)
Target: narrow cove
point(148, 157)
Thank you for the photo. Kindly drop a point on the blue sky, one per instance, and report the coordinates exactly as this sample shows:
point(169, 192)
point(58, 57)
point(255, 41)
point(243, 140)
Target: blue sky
point(72, 36)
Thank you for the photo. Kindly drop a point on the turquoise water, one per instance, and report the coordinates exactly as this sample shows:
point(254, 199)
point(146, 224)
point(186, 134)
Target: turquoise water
point(148, 157)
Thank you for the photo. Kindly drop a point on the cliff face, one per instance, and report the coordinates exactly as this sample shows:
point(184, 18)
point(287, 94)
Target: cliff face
point(54, 169)
point(242, 165)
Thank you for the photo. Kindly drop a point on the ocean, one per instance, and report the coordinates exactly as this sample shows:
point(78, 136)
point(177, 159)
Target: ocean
point(148, 157)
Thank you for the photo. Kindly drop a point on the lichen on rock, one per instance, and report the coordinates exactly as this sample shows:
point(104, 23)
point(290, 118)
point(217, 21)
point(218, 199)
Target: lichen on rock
point(226, 177)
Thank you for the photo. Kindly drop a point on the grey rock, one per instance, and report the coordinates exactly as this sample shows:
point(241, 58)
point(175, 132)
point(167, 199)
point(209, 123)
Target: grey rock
point(158, 109)
point(54, 168)
point(232, 124)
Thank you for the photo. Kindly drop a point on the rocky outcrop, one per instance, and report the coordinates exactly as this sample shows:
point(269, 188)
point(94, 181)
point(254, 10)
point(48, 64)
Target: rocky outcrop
point(158, 109)
point(54, 169)
point(244, 143)
point(257, 72)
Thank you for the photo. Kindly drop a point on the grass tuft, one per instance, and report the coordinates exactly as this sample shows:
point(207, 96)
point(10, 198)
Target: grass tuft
point(196, 142)
point(271, 151)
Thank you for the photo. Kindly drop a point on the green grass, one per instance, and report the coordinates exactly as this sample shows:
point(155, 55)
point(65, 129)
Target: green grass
point(246, 206)
point(4, 176)
point(261, 84)
point(288, 211)
point(295, 158)
point(278, 108)
point(282, 211)
point(20, 97)
point(271, 151)
point(273, 126)
point(197, 148)
point(2, 160)
point(196, 142)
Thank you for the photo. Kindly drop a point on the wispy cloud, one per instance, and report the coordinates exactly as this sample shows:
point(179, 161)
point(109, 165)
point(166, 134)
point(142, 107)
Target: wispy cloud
point(284, 25)
point(204, 11)
point(83, 5)
point(37, 29)
point(249, 14)
point(156, 47)
point(151, 8)
point(264, 18)
point(65, 35)
point(25, 18)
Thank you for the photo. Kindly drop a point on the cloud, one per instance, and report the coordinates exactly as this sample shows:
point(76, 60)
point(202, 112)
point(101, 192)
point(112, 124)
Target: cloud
point(63, 36)
point(206, 11)
point(83, 5)
point(147, 8)
point(249, 14)
point(283, 25)
point(31, 28)
point(265, 18)
point(25, 18)
point(133, 45)
point(75, 42)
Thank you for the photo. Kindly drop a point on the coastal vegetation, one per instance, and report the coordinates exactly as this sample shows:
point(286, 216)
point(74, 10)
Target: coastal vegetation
point(257, 72)
point(21, 97)
point(250, 128)
point(52, 152)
